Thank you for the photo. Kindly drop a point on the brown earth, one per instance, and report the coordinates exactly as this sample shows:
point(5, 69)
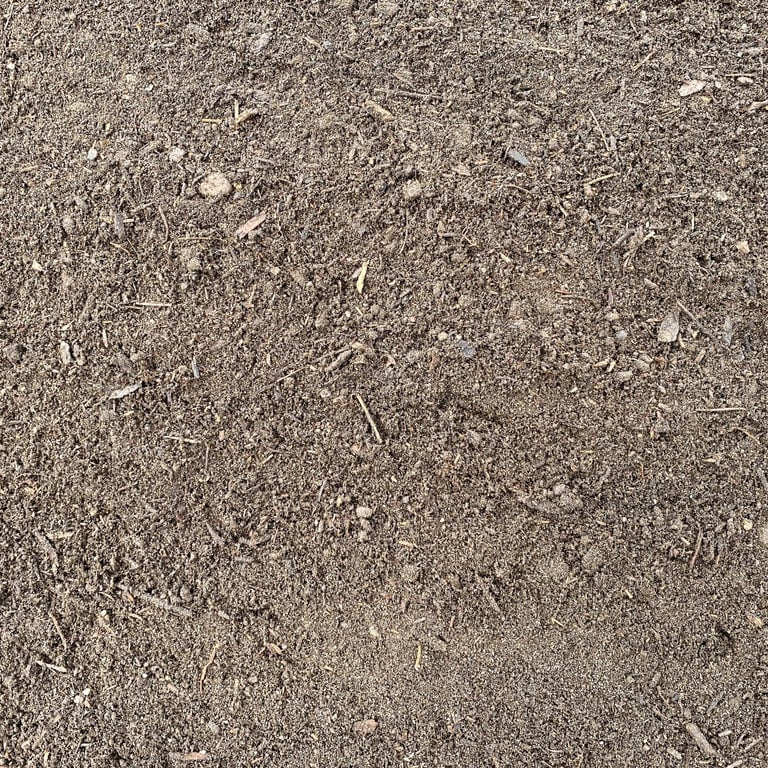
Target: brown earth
point(498, 499)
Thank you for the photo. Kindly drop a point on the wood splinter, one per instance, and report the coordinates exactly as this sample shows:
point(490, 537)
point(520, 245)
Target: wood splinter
point(700, 740)
point(368, 416)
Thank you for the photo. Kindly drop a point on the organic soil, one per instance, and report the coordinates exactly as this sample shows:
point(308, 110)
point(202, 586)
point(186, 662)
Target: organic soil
point(383, 384)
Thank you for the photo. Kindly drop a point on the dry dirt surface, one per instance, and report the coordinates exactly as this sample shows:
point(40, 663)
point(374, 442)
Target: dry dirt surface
point(383, 384)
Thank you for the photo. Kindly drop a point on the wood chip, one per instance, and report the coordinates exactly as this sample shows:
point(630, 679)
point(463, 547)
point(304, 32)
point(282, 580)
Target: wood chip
point(117, 394)
point(189, 757)
point(689, 87)
point(412, 190)
point(700, 740)
point(48, 549)
point(360, 284)
point(65, 353)
point(341, 360)
point(669, 329)
point(516, 156)
point(255, 221)
point(377, 111)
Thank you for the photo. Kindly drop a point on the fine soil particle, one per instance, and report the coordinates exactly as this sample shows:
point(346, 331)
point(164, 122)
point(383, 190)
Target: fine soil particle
point(383, 384)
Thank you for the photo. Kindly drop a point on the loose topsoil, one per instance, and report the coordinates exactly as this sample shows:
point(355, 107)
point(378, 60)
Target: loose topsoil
point(383, 384)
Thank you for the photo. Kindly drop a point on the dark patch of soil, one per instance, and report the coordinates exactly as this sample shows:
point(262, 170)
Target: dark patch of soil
point(546, 541)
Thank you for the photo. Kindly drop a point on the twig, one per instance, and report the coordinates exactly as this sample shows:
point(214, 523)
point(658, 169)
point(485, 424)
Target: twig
point(763, 479)
point(642, 63)
point(696, 320)
point(165, 224)
point(754, 438)
point(368, 416)
point(189, 757)
point(180, 439)
point(59, 632)
point(600, 178)
point(300, 369)
point(729, 409)
point(163, 605)
point(696, 549)
point(207, 664)
point(600, 128)
point(418, 95)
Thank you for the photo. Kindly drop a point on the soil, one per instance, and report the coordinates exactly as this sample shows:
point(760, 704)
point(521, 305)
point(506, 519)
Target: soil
point(383, 384)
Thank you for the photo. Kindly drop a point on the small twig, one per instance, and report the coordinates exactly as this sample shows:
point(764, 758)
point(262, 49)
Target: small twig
point(600, 128)
point(180, 439)
point(58, 631)
point(754, 438)
point(163, 604)
point(405, 236)
point(696, 320)
point(600, 178)
point(729, 409)
point(207, 664)
point(368, 416)
point(189, 757)
point(165, 224)
point(696, 549)
point(642, 63)
point(300, 369)
point(763, 479)
point(418, 95)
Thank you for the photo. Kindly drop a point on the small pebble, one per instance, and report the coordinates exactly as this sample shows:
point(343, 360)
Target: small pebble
point(669, 329)
point(365, 727)
point(215, 184)
point(68, 225)
point(412, 190)
point(92, 154)
point(467, 350)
